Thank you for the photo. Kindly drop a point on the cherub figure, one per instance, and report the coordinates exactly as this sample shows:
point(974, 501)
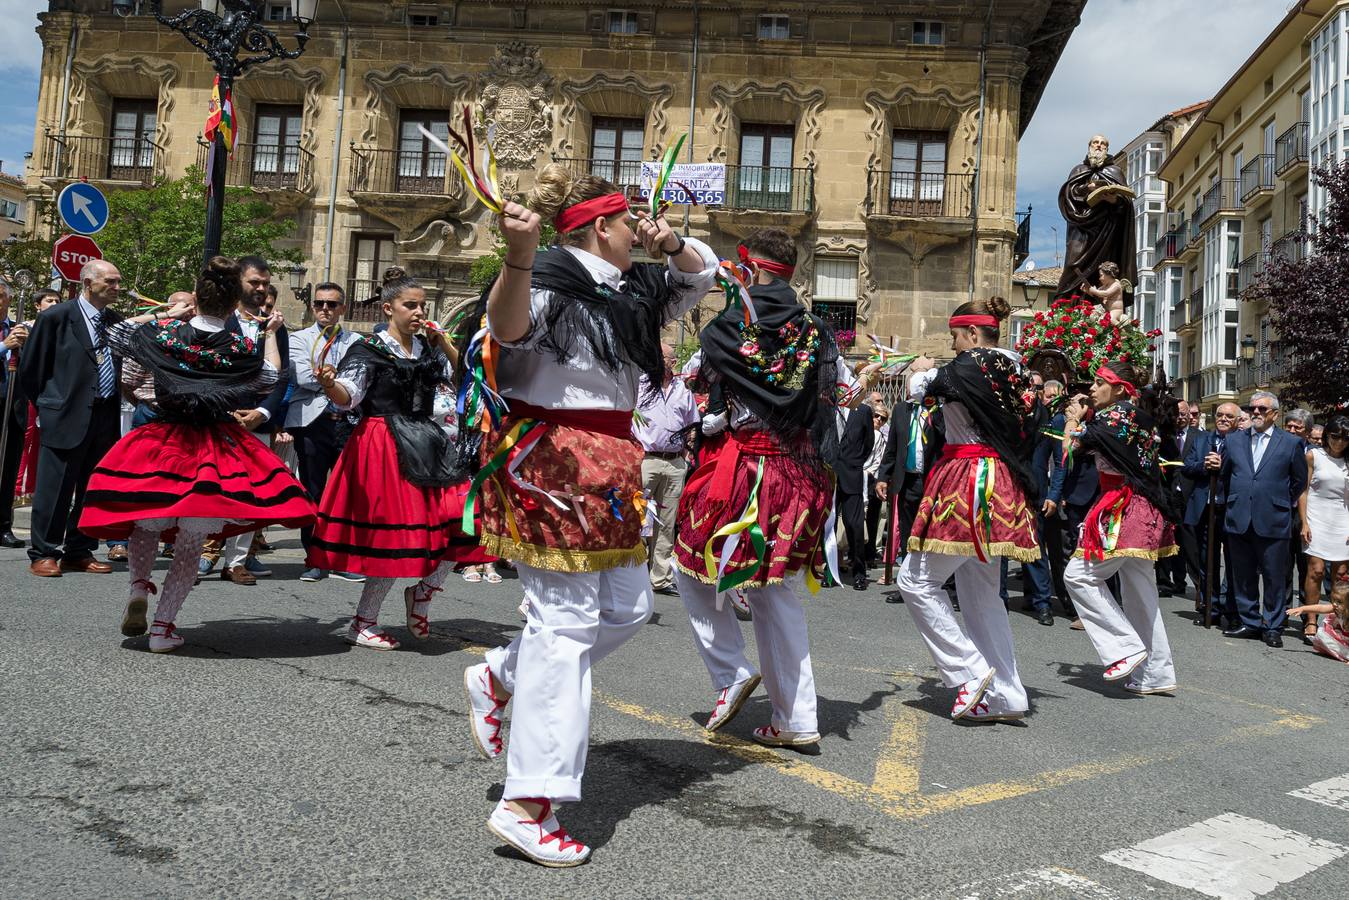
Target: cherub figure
point(1110, 293)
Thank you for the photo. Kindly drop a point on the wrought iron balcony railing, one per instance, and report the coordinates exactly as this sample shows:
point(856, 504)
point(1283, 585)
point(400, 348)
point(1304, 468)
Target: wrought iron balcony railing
point(1257, 176)
point(402, 172)
point(625, 173)
point(1250, 269)
point(267, 167)
point(1291, 248)
point(1290, 149)
point(138, 160)
point(777, 189)
point(1220, 198)
point(920, 195)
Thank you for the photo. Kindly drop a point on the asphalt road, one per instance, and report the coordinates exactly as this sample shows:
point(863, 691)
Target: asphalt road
point(269, 758)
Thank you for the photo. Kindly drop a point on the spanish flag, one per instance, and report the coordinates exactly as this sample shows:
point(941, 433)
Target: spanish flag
point(220, 115)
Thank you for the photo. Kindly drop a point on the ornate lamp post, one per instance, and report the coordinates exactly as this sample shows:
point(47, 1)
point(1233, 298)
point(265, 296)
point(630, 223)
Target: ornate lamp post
point(303, 290)
point(221, 29)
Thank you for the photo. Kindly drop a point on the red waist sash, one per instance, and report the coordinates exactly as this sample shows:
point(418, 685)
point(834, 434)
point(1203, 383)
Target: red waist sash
point(1115, 497)
point(967, 451)
point(720, 461)
point(613, 422)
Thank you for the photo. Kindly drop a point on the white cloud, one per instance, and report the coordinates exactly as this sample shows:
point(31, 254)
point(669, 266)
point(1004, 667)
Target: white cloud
point(1127, 64)
point(20, 47)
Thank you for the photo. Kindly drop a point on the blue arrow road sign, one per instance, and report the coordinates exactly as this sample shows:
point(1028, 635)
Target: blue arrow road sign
point(83, 208)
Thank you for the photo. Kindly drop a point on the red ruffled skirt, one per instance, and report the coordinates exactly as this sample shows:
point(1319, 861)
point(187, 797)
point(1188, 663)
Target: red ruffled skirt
point(374, 522)
point(1122, 523)
point(589, 462)
point(166, 470)
point(794, 501)
point(958, 486)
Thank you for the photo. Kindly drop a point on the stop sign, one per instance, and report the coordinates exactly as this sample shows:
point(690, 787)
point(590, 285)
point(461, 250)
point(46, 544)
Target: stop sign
point(71, 252)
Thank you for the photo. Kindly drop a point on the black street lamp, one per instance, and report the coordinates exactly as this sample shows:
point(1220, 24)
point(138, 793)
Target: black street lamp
point(221, 34)
point(301, 289)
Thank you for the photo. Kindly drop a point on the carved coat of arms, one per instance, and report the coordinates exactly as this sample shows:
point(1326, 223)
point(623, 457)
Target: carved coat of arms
point(516, 108)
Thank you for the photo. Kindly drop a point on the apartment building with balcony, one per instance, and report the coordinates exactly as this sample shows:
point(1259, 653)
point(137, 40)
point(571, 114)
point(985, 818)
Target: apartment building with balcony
point(1157, 290)
point(1238, 195)
point(856, 127)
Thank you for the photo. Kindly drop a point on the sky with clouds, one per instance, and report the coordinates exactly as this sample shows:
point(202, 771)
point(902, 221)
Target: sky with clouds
point(1128, 63)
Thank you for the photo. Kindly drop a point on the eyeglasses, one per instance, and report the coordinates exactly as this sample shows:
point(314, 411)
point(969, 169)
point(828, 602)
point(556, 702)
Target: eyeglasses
point(327, 304)
point(1259, 409)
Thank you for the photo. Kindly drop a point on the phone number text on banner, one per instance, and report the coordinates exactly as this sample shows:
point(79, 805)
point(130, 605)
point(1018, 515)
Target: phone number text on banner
point(702, 184)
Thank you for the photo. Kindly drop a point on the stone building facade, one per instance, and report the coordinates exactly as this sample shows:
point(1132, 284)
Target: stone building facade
point(856, 126)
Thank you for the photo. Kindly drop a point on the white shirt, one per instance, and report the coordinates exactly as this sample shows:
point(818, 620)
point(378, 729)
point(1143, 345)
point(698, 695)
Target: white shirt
point(1259, 444)
point(526, 373)
point(249, 328)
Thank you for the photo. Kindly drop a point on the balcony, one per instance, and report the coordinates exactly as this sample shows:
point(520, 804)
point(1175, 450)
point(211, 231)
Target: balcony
point(1172, 244)
point(841, 316)
point(1193, 311)
point(1221, 198)
point(765, 197)
point(930, 209)
point(1179, 315)
point(407, 188)
point(271, 168)
point(1250, 269)
point(1291, 248)
point(129, 161)
point(1290, 152)
point(1194, 388)
point(1257, 178)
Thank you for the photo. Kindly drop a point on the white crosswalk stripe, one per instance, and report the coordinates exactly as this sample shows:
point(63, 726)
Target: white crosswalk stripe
point(1051, 883)
point(1333, 792)
point(1230, 857)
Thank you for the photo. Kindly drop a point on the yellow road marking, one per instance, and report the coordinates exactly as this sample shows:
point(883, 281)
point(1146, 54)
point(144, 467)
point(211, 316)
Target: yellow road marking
point(897, 768)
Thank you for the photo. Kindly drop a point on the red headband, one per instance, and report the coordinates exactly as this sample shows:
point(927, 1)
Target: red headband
point(587, 211)
point(971, 321)
point(773, 268)
point(1110, 377)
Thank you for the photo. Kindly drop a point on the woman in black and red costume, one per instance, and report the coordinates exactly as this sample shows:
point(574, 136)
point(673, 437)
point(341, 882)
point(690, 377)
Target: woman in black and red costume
point(974, 510)
point(1130, 527)
point(392, 506)
point(194, 472)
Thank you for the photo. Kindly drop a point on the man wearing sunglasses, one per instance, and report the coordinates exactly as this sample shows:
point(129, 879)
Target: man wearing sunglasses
point(318, 429)
point(1266, 470)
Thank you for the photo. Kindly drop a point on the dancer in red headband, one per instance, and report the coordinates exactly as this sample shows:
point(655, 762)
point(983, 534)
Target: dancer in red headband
point(1128, 529)
point(753, 516)
point(974, 510)
point(572, 330)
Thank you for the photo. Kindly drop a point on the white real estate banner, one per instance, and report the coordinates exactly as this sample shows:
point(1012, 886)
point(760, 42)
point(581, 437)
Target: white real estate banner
point(702, 184)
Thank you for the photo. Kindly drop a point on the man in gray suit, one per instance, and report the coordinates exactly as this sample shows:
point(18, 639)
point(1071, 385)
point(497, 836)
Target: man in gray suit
point(1266, 470)
point(319, 430)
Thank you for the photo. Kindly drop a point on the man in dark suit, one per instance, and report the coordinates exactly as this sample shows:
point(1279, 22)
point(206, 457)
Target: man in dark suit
point(239, 565)
point(909, 450)
point(70, 372)
point(1203, 461)
point(1188, 561)
point(854, 446)
point(1073, 487)
point(12, 336)
point(1266, 471)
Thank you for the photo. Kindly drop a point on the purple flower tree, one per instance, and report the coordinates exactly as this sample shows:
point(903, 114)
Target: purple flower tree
point(1308, 306)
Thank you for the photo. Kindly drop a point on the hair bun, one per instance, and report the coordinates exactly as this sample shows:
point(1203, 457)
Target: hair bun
point(552, 188)
point(394, 273)
point(999, 308)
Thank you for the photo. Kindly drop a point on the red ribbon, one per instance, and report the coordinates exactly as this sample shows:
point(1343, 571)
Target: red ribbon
point(1110, 377)
point(613, 422)
point(587, 211)
point(1115, 495)
point(774, 268)
point(971, 321)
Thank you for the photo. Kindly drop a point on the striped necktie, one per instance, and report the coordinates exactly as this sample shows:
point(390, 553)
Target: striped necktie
point(107, 373)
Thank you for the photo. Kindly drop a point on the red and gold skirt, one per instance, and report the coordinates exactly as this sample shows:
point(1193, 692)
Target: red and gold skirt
point(1122, 523)
point(792, 500)
point(372, 521)
point(973, 506)
point(562, 490)
point(165, 470)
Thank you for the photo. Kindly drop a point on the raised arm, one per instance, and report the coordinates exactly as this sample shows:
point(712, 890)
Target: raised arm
point(508, 302)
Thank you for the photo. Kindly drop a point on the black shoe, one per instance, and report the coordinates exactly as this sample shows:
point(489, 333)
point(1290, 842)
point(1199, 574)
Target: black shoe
point(7, 539)
point(1242, 631)
point(894, 597)
point(859, 581)
point(1273, 640)
point(1045, 616)
point(668, 591)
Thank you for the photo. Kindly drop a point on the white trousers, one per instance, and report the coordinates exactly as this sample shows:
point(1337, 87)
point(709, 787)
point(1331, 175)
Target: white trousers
point(962, 657)
point(573, 621)
point(784, 646)
point(1119, 633)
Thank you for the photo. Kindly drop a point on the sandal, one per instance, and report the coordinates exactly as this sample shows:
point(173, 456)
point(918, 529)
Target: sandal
point(492, 577)
point(472, 576)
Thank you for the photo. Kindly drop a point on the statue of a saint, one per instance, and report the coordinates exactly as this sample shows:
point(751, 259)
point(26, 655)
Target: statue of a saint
point(1098, 205)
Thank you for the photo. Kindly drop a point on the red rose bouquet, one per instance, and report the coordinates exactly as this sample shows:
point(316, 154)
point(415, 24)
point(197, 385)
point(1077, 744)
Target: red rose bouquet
point(1074, 328)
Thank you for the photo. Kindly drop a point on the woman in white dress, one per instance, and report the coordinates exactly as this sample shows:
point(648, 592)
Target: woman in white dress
point(1324, 506)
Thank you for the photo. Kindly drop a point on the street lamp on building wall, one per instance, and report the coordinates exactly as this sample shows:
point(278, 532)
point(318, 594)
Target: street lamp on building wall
point(1031, 290)
point(302, 289)
point(221, 29)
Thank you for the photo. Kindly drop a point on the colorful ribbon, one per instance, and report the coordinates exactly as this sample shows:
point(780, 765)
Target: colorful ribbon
point(615, 503)
point(830, 546)
point(481, 181)
point(982, 478)
point(499, 459)
point(734, 281)
point(320, 352)
point(666, 167)
point(747, 523)
point(478, 402)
